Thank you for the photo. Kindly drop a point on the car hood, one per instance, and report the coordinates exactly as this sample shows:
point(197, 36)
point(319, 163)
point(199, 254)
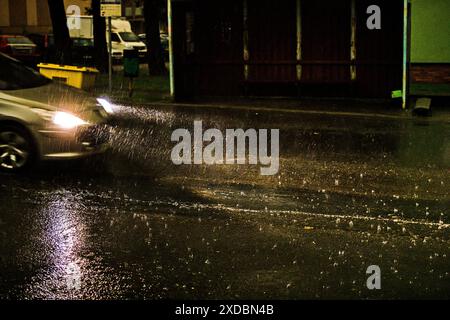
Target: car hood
point(55, 97)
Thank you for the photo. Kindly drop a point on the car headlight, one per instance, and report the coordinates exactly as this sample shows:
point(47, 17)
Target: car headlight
point(107, 106)
point(62, 119)
point(67, 121)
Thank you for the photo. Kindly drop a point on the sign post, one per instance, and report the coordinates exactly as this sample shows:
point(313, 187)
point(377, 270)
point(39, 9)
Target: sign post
point(108, 9)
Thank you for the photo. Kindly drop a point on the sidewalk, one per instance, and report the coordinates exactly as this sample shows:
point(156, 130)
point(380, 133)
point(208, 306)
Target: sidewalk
point(330, 107)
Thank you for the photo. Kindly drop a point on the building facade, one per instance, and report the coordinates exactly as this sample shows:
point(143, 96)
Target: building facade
point(32, 16)
point(430, 41)
point(307, 47)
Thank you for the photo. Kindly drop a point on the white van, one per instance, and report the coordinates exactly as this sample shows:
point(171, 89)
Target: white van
point(121, 34)
point(122, 37)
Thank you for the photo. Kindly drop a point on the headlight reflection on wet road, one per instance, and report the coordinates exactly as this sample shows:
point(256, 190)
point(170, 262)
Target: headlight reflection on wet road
point(64, 236)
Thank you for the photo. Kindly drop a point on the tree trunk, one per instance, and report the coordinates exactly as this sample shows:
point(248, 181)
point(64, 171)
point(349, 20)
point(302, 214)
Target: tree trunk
point(152, 11)
point(101, 51)
point(61, 35)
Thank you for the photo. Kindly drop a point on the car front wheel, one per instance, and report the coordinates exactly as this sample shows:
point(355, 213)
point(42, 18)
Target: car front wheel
point(16, 149)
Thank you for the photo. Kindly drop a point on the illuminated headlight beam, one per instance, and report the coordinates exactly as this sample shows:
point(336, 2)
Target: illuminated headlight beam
point(107, 106)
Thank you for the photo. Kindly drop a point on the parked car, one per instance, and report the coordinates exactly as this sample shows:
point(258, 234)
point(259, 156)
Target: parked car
point(126, 40)
point(83, 51)
point(164, 42)
point(19, 47)
point(45, 46)
point(42, 120)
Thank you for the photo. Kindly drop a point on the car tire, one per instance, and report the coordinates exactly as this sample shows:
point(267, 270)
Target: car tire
point(17, 149)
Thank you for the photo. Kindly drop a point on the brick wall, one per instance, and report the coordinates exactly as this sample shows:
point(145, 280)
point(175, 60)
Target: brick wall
point(430, 72)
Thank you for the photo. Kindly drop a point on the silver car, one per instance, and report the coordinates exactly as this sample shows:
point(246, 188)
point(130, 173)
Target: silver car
point(42, 120)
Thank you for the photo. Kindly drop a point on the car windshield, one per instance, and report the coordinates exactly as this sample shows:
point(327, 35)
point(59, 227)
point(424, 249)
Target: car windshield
point(19, 40)
point(83, 42)
point(14, 75)
point(129, 37)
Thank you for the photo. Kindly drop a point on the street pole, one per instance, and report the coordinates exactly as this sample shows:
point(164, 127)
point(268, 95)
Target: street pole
point(405, 79)
point(171, 62)
point(109, 55)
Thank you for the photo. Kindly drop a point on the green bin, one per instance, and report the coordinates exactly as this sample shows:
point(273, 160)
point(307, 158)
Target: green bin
point(131, 63)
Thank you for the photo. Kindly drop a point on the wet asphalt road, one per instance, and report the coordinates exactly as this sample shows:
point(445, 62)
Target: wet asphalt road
point(352, 191)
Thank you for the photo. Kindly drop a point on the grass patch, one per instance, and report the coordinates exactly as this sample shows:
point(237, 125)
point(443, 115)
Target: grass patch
point(146, 89)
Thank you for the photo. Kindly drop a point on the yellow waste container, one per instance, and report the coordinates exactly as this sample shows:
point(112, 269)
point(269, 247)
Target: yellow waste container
point(78, 77)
